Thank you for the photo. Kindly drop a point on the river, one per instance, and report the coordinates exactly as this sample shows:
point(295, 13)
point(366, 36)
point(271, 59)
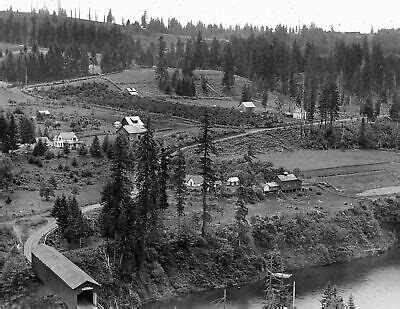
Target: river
point(374, 282)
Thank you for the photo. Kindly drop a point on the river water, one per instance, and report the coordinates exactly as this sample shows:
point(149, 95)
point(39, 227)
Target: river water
point(374, 282)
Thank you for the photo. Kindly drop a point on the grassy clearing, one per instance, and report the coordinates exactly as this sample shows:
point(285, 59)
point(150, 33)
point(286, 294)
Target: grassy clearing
point(308, 160)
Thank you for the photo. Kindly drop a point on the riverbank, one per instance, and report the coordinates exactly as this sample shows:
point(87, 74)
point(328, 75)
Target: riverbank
point(188, 264)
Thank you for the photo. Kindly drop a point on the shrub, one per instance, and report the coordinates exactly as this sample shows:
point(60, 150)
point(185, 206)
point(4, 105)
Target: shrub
point(82, 151)
point(35, 161)
point(46, 192)
point(74, 162)
point(49, 155)
point(40, 149)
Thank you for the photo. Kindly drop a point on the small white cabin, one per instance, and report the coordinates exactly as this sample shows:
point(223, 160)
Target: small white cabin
point(232, 182)
point(194, 181)
point(271, 187)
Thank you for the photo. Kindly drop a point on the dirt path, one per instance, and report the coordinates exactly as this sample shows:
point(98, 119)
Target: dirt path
point(256, 131)
point(33, 241)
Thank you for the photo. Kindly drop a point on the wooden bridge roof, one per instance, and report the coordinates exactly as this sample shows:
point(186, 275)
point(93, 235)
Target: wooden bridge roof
point(67, 271)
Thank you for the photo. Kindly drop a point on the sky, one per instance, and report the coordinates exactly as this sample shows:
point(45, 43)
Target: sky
point(343, 15)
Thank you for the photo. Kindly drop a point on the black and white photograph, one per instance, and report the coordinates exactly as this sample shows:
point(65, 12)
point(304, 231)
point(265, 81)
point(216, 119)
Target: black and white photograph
point(199, 154)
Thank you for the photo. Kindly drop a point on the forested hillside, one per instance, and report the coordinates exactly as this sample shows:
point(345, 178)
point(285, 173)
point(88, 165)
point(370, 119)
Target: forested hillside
point(298, 61)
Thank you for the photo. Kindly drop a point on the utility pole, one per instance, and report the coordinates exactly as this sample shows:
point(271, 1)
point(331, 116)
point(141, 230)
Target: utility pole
point(294, 293)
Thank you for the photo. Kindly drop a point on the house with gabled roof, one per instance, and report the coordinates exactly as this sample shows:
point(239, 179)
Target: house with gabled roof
point(132, 128)
point(66, 138)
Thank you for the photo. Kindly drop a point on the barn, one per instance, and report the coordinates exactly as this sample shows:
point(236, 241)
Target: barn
point(248, 107)
point(76, 288)
point(288, 182)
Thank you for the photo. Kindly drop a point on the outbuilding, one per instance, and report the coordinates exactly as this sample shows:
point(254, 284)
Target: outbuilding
point(194, 181)
point(247, 107)
point(271, 187)
point(75, 287)
point(232, 182)
point(288, 182)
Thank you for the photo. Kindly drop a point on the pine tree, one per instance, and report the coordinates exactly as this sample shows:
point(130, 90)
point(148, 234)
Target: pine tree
point(147, 197)
point(368, 109)
point(11, 135)
point(116, 194)
point(3, 132)
point(162, 68)
point(110, 17)
point(39, 149)
point(240, 216)
point(331, 299)
point(264, 101)
point(163, 176)
point(229, 68)
point(60, 212)
point(246, 94)
point(362, 139)
point(95, 150)
point(351, 304)
point(394, 110)
point(179, 182)
point(27, 131)
point(206, 148)
point(105, 144)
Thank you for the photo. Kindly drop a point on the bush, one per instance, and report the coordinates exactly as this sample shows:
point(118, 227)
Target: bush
point(82, 151)
point(35, 161)
point(40, 149)
point(74, 162)
point(49, 155)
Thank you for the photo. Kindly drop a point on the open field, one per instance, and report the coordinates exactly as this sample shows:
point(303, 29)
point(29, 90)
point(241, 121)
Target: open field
point(312, 160)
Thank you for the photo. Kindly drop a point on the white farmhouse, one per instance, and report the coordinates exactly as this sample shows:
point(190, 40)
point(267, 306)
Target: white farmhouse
point(68, 138)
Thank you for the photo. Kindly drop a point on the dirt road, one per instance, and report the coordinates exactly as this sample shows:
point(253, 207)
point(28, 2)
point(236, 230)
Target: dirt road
point(33, 241)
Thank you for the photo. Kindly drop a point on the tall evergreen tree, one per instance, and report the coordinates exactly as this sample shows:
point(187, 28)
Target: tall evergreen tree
point(147, 205)
point(95, 150)
point(205, 149)
point(27, 130)
point(163, 178)
point(179, 177)
point(11, 135)
point(228, 67)
point(240, 216)
point(246, 93)
point(162, 68)
point(394, 110)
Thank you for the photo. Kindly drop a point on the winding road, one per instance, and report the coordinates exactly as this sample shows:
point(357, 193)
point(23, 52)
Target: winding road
point(33, 241)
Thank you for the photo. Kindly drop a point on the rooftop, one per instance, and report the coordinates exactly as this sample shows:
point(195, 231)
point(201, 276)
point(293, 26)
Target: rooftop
point(247, 104)
point(67, 271)
point(134, 121)
point(134, 129)
point(67, 135)
point(272, 184)
point(198, 179)
point(287, 177)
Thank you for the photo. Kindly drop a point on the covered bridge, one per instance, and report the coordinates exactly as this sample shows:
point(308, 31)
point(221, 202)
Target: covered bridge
point(76, 288)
